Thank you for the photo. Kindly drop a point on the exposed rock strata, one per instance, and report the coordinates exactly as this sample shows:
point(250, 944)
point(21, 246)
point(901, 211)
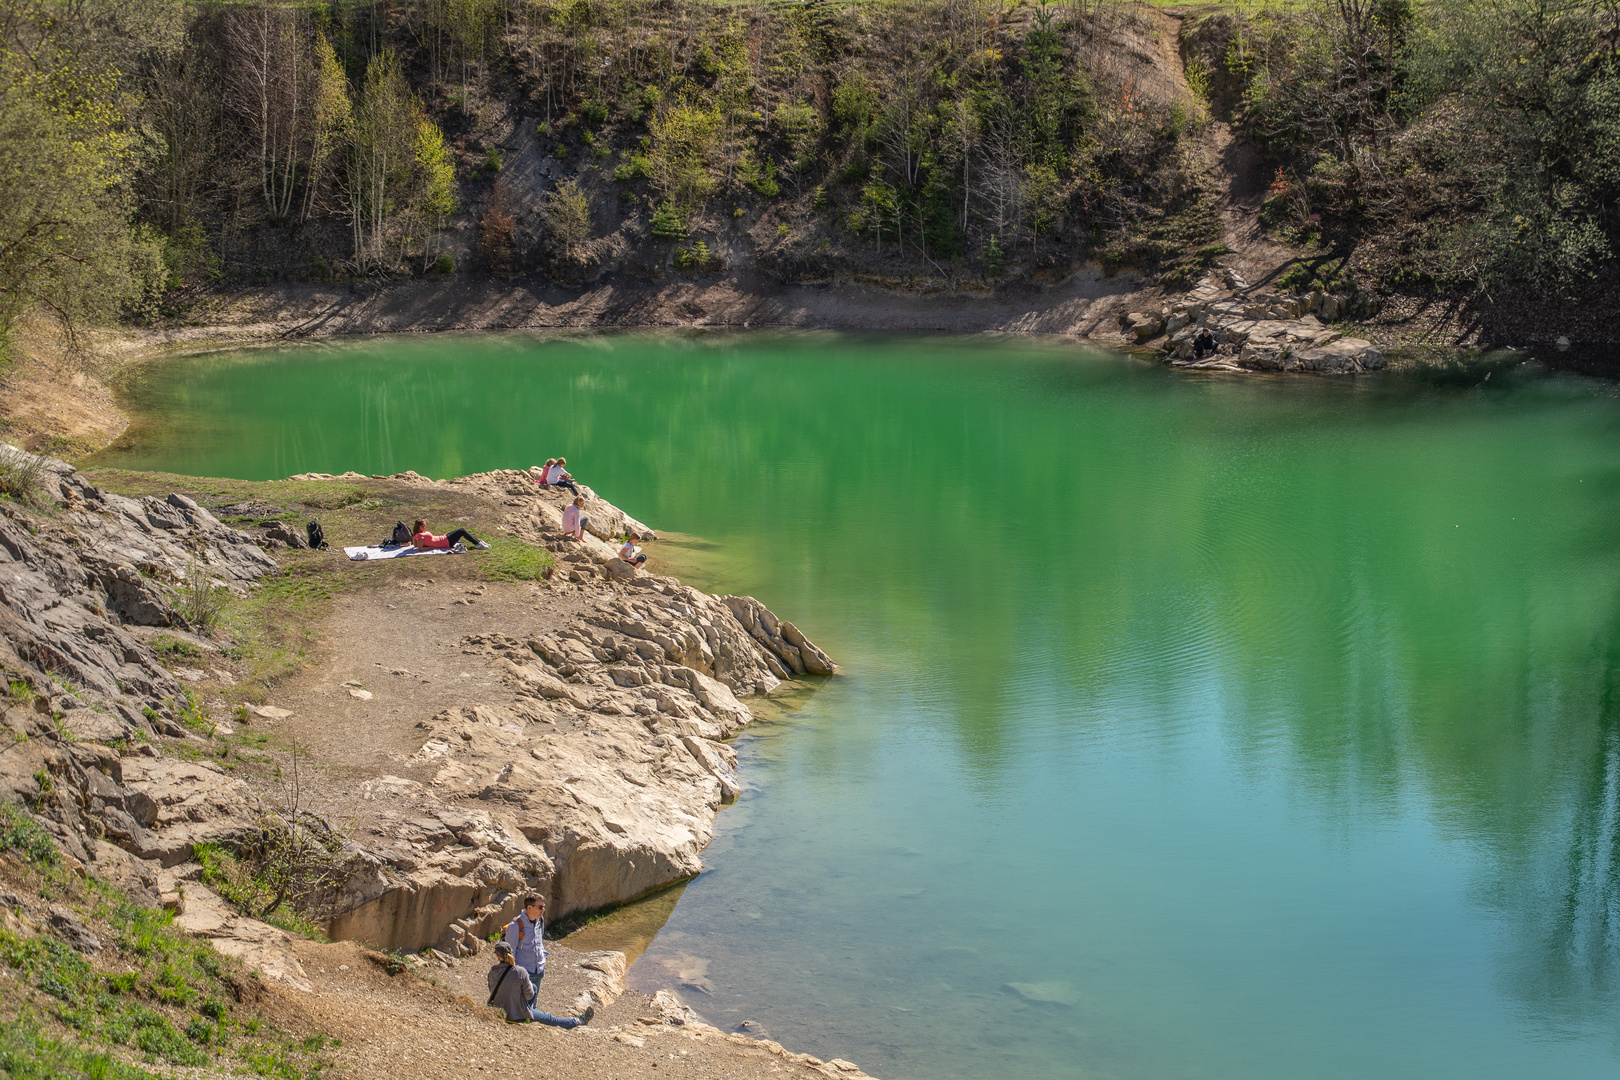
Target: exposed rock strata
point(1257, 331)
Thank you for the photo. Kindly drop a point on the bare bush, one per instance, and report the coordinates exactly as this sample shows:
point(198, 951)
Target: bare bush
point(21, 474)
point(199, 600)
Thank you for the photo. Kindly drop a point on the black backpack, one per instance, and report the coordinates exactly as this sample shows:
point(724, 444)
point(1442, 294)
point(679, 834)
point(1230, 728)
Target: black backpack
point(317, 536)
point(401, 537)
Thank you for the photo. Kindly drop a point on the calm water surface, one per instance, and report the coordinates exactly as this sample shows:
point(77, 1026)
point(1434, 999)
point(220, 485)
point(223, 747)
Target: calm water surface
point(1218, 728)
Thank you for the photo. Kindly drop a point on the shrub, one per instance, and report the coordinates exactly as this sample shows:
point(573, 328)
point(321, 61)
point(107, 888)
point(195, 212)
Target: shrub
point(668, 222)
point(19, 832)
point(198, 600)
point(444, 265)
point(22, 475)
point(594, 111)
point(493, 160)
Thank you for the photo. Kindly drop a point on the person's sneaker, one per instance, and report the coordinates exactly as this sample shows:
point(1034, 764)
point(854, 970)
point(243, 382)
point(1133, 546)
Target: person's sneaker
point(482, 545)
point(585, 1017)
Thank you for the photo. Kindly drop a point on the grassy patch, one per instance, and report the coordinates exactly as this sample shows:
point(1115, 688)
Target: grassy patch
point(153, 993)
point(235, 881)
point(172, 648)
point(19, 832)
point(513, 560)
point(26, 1053)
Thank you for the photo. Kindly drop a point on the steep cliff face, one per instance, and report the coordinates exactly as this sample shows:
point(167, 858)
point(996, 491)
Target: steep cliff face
point(590, 771)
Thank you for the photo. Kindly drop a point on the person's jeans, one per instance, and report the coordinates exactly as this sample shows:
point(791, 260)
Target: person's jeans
point(569, 484)
point(544, 1017)
point(458, 535)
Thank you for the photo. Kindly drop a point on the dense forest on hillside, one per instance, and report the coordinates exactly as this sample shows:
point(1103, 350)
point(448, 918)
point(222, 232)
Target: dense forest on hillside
point(156, 148)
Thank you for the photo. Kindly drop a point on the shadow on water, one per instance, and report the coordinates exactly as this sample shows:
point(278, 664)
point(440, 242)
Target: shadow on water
point(628, 929)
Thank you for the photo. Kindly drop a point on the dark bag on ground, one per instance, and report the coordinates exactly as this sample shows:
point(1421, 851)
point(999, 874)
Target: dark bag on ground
point(317, 536)
point(401, 536)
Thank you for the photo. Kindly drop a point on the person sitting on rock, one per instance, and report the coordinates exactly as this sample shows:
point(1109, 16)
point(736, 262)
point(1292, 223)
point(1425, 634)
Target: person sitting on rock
point(574, 519)
point(524, 945)
point(513, 992)
point(540, 472)
point(422, 540)
point(1203, 344)
point(630, 553)
point(557, 475)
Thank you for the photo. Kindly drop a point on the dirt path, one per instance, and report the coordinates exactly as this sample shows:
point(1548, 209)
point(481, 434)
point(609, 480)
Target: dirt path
point(434, 1025)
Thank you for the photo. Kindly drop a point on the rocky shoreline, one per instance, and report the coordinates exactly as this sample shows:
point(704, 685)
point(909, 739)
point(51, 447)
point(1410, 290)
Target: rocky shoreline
point(1258, 331)
point(590, 769)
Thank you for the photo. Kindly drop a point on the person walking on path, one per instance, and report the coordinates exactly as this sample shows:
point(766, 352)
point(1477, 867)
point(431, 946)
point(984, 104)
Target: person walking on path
point(523, 939)
point(558, 476)
point(423, 540)
point(574, 519)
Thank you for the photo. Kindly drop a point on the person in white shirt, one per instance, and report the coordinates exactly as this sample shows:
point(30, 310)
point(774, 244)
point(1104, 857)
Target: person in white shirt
point(630, 553)
point(557, 476)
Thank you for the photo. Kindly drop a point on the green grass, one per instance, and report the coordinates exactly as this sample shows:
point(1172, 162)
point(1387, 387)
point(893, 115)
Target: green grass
point(19, 832)
point(513, 560)
point(171, 648)
point(28, 1054)
point(233, 879)
point(154, 991)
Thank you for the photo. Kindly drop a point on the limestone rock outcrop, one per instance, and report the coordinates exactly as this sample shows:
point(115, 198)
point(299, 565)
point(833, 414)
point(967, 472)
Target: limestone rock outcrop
point(1260, 332)
point(594, 778)
point(599, 779)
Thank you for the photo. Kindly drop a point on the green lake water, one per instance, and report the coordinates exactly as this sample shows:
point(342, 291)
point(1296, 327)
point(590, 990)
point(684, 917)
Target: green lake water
point(1190, 727)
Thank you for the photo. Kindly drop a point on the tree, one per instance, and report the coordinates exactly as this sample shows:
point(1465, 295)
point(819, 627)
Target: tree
point(65, 243)
point(268, 85)
point(568, 216)
point(497, 231)
point(381, 156)
point(332, 116)
point(435, 197)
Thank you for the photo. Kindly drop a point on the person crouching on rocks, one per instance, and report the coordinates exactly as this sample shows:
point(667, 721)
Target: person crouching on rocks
point(525, 948)
point(422, 540)
point(1203, 344)
point(574, 519)
point(630, 553)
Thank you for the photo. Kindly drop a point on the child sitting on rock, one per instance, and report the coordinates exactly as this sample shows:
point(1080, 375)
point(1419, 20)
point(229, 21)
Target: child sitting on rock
point(630, 553)
point(574, 519)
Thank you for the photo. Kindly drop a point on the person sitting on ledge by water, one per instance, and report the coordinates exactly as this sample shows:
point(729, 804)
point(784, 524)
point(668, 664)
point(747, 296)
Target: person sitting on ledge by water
point(543, 471)
point(630, 553)
point(422, 540)
point(525, 946)
point(574, 519)
point(1203, 344)
point(557, 475)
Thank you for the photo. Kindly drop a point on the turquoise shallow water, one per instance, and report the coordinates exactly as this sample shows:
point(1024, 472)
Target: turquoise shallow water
point(1190, 727)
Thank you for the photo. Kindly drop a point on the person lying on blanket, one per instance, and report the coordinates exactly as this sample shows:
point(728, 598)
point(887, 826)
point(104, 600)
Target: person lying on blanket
point(422, 540)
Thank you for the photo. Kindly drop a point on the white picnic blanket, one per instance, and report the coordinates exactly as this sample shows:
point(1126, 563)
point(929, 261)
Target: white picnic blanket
point(365, 554)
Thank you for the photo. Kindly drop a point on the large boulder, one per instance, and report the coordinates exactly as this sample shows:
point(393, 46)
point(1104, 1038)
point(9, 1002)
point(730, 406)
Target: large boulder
point(1341, 357)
